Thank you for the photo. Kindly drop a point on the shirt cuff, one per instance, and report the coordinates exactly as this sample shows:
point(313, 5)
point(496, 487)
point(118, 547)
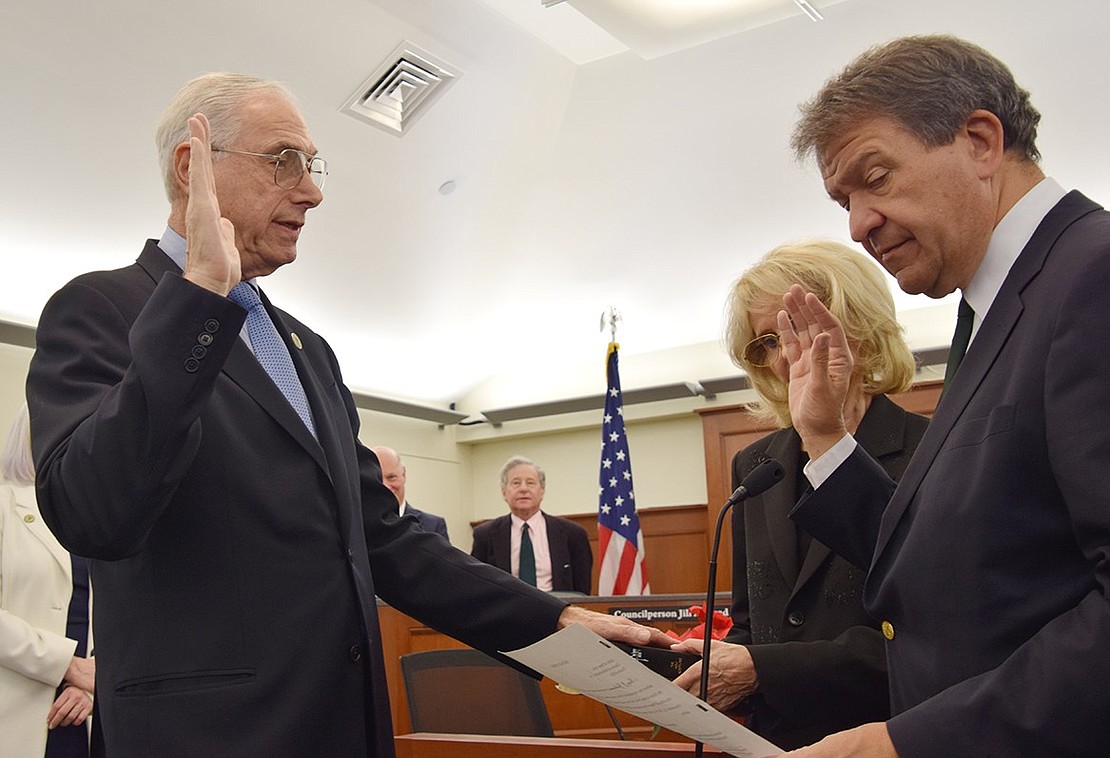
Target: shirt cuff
point(817, 471)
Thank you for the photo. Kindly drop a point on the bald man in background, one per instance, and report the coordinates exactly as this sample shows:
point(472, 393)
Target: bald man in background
point(394, 475)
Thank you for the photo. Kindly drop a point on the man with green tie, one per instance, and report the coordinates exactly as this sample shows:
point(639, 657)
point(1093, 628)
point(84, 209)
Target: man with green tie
point(547, 551)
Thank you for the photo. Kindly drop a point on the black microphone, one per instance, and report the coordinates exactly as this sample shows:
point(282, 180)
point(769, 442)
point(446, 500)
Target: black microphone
point(760, 479)
point(765, 475)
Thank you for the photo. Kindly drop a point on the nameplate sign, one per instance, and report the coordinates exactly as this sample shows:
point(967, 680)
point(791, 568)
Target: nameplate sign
point(648, 614)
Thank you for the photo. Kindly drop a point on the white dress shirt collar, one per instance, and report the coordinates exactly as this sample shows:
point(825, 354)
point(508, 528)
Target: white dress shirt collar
point(1007, 241)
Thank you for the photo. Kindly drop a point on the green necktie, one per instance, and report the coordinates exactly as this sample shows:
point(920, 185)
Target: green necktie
point(965, 317)
point(527, 571)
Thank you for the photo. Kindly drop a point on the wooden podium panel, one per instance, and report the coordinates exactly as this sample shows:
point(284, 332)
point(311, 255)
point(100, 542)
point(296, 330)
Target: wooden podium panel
point(422, 745)
point(571, 715)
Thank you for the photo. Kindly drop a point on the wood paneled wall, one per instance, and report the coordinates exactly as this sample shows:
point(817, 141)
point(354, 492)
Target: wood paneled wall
point(674, 545)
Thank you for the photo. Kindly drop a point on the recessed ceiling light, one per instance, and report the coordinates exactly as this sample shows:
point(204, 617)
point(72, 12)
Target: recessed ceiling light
point(657, 27)
point(809, 10)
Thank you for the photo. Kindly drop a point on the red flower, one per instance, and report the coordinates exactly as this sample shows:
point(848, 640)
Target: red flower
point(721, 625)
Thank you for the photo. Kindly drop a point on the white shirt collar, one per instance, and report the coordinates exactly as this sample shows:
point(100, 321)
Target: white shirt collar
point(173, 245)
point(534, 522)
point(1007, 241)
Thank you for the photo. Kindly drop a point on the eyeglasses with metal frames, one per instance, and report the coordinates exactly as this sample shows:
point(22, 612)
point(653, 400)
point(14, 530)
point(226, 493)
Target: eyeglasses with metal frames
point(763, 350)
point(290, 165)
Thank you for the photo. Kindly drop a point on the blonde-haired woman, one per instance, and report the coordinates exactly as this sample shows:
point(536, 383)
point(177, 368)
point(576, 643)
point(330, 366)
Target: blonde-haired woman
point(46, 680)
point(804, 659)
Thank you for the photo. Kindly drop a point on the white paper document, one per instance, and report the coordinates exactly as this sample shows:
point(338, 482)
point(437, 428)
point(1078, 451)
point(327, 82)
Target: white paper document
point(580, 660)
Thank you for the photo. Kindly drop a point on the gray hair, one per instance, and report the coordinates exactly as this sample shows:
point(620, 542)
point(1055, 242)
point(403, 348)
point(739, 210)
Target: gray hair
point(929, 84)
point(16, 464)
point(217, 96)
point(520, 460)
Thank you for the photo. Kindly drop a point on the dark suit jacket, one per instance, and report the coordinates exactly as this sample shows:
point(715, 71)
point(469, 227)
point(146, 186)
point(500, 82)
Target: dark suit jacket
point(571, 557)
point(429, 522)
point(236, 559)
point(992, 558)
point(831, 672)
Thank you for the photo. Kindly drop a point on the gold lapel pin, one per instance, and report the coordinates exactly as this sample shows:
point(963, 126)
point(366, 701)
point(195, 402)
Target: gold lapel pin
point(296, 340)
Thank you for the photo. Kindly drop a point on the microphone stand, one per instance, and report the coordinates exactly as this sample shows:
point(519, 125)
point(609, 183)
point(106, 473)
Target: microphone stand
point(761, 478)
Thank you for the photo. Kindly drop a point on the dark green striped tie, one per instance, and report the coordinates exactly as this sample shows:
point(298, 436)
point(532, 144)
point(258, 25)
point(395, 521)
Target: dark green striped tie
point(965, 317)
point(527, 572)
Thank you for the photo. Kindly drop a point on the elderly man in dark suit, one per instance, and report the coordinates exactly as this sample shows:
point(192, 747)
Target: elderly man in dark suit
point(238, 530)
point(395, 477)
point(555, 551)
point(990, 560)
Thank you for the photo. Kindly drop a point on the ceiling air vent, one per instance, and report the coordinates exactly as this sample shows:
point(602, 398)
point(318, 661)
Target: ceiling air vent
point(401, 89)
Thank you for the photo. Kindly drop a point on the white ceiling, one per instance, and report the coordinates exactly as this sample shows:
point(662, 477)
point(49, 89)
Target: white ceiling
point(587, 176)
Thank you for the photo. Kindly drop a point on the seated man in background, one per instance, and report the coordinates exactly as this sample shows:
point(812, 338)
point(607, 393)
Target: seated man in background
point(549, 552)
point(394, 476)
point(803, 655)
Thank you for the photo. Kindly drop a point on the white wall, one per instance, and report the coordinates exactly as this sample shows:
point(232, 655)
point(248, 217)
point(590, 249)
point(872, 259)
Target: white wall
point(438, 479)
point(668, 464)
point(14, 362)
point(453, 470)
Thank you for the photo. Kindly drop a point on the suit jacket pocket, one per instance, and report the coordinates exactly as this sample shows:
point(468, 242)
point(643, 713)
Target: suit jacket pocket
point(167, 684)
point(973, 431)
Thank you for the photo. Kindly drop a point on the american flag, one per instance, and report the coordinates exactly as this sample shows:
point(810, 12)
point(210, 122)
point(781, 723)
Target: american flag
point(620, 541)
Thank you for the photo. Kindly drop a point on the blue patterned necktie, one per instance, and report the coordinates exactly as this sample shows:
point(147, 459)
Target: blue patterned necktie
point(271, 351)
